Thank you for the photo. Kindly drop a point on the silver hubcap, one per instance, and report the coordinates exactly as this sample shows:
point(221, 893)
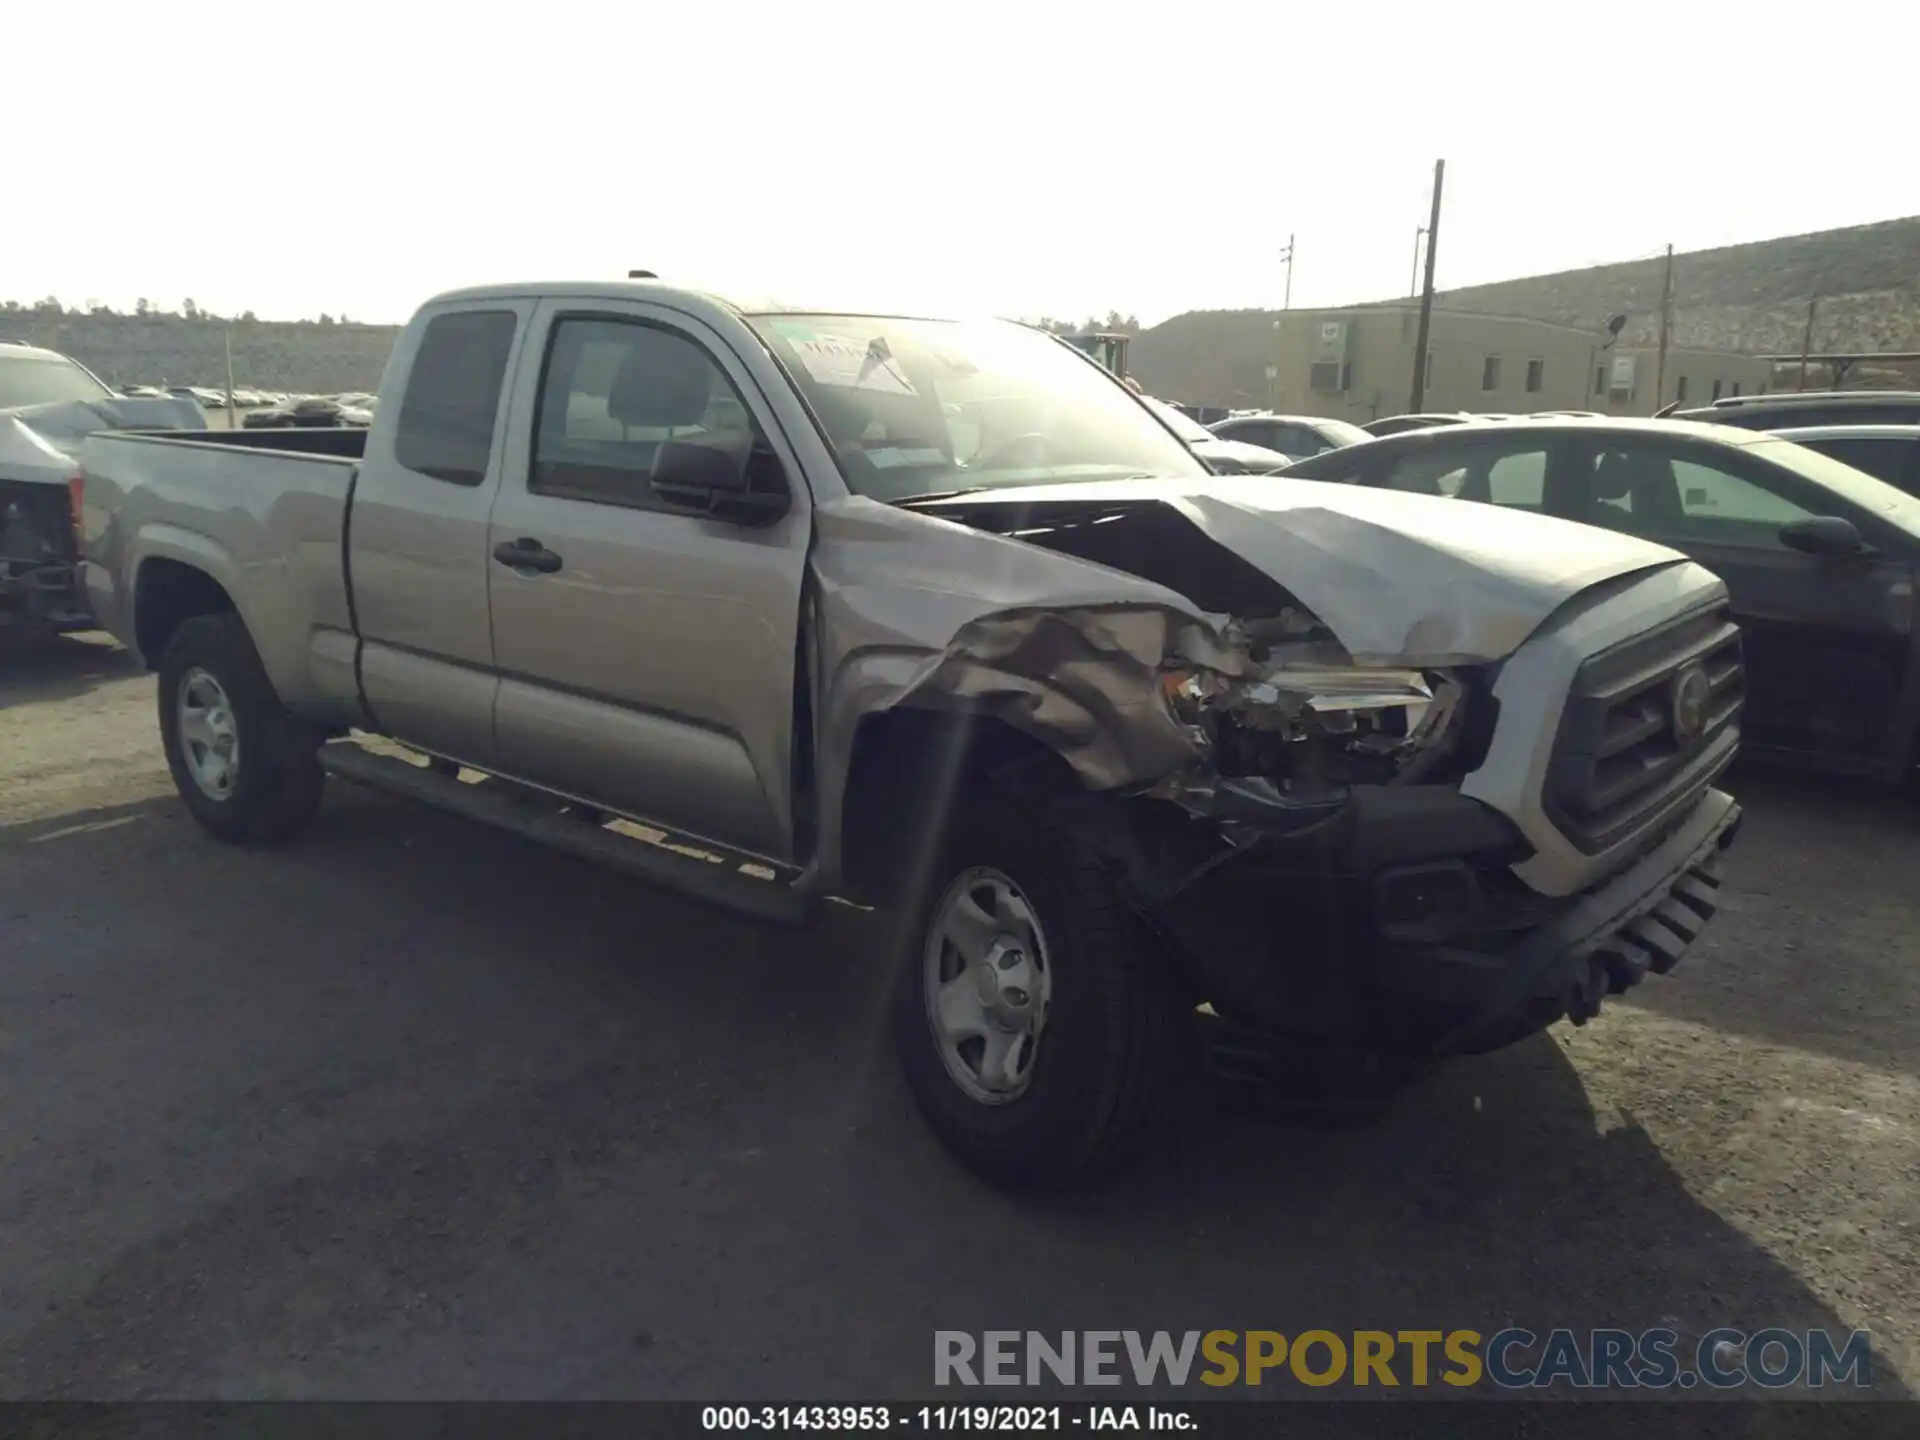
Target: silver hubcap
point(209, 735)
point(988, 983)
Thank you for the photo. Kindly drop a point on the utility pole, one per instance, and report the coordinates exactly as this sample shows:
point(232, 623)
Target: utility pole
point(1806, 342)
point(1286, 303)
point(1666, 313)
point(1426, 295)
point(233, 422)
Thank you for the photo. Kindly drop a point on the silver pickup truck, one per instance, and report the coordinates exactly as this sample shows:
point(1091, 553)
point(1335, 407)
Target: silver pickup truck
point(775, 606)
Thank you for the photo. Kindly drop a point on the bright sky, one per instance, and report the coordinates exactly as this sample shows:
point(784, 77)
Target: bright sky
point(1027, 159)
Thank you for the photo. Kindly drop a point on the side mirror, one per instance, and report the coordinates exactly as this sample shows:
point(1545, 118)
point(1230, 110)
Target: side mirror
point(1823, 535)
point(711, 481)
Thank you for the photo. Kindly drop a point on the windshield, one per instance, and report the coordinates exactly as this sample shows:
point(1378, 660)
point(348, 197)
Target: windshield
point(1183, 425)
point(917, 407)
point(45, 380)
point(1842, 479)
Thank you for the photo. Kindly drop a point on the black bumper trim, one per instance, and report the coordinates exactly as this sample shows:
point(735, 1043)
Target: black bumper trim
point(1642, 919)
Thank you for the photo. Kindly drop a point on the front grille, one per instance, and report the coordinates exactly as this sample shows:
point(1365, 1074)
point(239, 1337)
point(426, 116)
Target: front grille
point(1619, 764)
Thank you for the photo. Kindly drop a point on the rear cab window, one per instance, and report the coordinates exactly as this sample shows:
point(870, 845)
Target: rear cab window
point(447, 414)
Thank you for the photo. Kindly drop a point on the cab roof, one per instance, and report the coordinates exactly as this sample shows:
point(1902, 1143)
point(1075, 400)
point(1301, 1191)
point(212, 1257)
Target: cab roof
point(659, 292)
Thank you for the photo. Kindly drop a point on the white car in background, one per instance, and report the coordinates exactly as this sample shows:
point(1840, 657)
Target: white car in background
point(1295, 436)
point(1222, 454)
point(48, 404)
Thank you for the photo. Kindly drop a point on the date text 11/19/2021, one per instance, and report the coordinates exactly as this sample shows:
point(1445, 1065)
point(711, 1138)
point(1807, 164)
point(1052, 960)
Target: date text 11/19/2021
point(938, 1419)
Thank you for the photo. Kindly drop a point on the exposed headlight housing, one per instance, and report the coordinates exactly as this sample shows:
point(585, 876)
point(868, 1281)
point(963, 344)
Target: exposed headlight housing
point(1301, 734)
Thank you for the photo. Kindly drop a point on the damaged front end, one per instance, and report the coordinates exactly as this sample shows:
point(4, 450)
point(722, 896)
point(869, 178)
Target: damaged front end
point(39, 558)
point(1287, 817)
point(40, 578)
point(1275, 770)
point(1315, 863)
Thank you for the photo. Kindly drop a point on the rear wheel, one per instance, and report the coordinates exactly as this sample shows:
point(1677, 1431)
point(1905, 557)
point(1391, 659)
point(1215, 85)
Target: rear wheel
point(247, 768)
point(1038, 1024)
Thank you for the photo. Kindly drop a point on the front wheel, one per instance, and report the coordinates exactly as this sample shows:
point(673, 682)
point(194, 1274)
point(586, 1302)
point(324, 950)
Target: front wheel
point(247, 768)
point(1038, 1024)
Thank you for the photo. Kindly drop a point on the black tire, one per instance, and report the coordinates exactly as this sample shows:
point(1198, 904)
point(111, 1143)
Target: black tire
point(1112, 1060)
point(278, 781)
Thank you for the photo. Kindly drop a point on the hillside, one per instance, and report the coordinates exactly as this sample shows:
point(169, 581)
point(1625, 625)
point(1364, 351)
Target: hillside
point(321, 356)
point(1740, 297)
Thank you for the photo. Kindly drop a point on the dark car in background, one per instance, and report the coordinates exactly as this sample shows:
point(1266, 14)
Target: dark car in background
point(1295, 435)
point(314, 410)
point(1886, 452)
point(1802, 409)
point(1820, 559)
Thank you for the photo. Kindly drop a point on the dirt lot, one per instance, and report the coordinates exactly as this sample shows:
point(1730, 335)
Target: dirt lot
point(414, 1109)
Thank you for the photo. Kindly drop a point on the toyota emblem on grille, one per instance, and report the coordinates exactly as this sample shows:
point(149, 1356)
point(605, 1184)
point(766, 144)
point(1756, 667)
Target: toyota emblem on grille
point(1688, 700)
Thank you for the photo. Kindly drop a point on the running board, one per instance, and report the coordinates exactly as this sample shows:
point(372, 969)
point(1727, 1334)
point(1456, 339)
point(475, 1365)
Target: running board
point(547, 820)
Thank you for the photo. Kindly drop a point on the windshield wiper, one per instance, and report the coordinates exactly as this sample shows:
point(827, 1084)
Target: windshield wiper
point(933, 495)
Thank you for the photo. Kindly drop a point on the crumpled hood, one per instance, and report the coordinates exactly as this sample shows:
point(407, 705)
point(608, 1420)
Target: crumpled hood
point(1399, 579)
point(40, 443)
point(1060, 609)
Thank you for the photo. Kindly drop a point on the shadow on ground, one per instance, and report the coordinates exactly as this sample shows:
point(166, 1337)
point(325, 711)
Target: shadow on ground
point(415, 1110)
point(43, 668)
point(1815, 946)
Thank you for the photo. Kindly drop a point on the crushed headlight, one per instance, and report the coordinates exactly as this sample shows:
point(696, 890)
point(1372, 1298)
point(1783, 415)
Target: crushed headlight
point(1304, 732)
point(1330, 691)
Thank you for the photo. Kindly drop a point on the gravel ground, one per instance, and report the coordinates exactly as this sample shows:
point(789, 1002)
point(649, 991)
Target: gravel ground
point(413, 1109)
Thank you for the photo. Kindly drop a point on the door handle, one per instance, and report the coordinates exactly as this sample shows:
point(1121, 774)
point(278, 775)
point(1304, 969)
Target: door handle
point(526, 553)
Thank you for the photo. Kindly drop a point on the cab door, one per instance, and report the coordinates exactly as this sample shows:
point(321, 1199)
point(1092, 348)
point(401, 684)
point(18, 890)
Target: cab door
point(646, 655)
point(417, 540)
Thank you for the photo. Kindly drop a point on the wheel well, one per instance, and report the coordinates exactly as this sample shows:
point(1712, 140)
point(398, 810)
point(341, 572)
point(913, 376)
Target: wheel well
point(910, 770)
point(166, 595)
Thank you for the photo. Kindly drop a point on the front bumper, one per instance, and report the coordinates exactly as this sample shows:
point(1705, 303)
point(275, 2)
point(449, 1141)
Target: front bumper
point(1401, 927)
point(43, 596)
point(1644, 919)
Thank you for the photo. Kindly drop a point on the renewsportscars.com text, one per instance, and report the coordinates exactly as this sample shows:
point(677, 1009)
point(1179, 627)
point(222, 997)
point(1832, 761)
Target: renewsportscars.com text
point(1508, 1359)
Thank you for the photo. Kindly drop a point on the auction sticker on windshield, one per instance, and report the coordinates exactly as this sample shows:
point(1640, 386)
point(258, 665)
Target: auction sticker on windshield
point(846, 360)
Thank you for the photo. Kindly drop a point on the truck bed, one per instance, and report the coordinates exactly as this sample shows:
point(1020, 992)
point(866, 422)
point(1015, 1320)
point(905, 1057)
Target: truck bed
point(263, 512)
point(342, 442)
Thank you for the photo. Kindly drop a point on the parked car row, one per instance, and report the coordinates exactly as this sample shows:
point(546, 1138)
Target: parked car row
point(207, 397)
point(310, 410)
point(357, 405)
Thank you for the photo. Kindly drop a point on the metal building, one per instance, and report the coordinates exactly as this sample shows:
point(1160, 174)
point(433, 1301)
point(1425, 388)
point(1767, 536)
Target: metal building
point(1357, 364)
